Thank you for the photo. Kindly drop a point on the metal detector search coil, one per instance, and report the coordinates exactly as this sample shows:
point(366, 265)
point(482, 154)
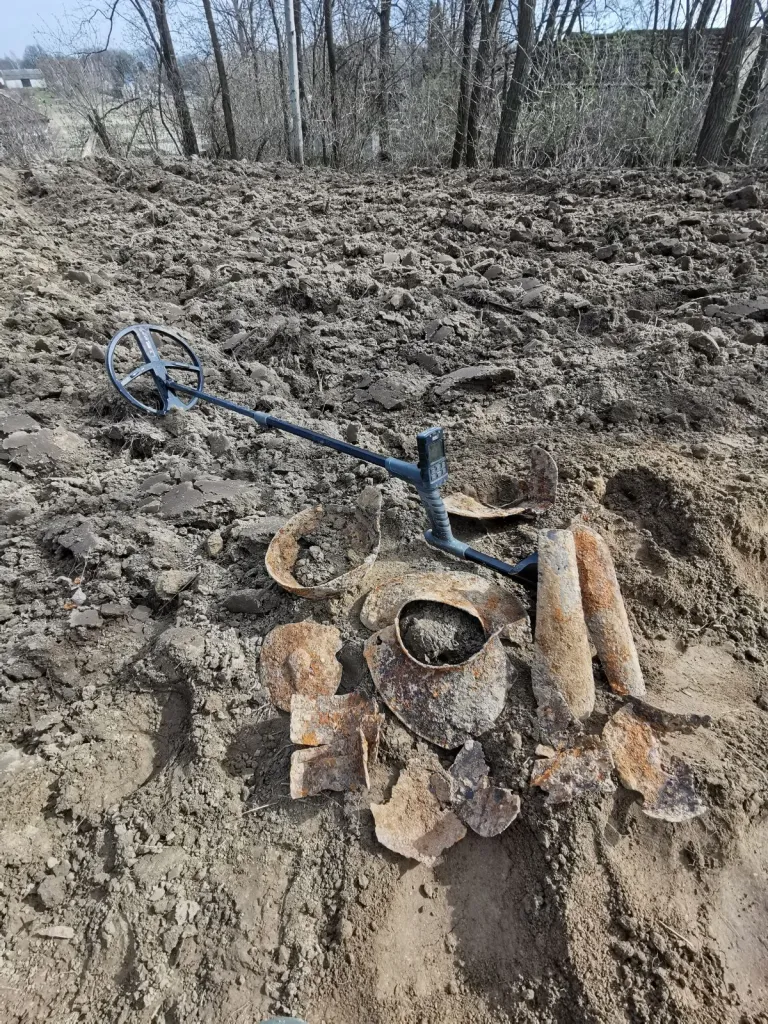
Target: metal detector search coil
point(168, 394)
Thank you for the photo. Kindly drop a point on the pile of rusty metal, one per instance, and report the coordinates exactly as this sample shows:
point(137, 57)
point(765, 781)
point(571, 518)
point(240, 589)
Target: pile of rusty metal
point(579, 608)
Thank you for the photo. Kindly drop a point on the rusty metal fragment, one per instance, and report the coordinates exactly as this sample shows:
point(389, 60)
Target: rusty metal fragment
point(363, 537)
point(486, 808)
point(300, 657)
point(606, 613)
point(573, 772)
point(445, 704)
point(541, 490)
point(342, 733)
point(637, 756)
point(668, 721)
point(497, 609)
point(561, 671)
point(414, 822)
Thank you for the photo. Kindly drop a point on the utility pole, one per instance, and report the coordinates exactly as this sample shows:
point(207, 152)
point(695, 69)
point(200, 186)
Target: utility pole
point(297, 139)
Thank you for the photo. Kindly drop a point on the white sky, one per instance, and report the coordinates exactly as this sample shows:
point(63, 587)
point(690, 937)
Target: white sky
point(24, 22)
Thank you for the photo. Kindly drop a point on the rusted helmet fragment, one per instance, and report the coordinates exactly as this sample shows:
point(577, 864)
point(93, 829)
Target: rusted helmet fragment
point(341, 738)
point(561, 672)
point(584, 770)
point(487, 809)
point(606, 614)
point(498, 609)
point(541, 493)
point(363, 537)
point(637, 756)
point(414, 822)
point(445, 704)
point(300, 657)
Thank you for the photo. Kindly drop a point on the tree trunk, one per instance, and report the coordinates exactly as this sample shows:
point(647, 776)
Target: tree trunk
point(96, 122)
point(738, 139)
point(550, 24)
point(385, 14)
point(281, 68)
point(168, 57)
point(300, 64)
point(332, 80)
point(226, 103)
point(297, 147)
point(489, 22)
point(513, 101)
point(462, 112)
point(725, 82)
point(695, 37)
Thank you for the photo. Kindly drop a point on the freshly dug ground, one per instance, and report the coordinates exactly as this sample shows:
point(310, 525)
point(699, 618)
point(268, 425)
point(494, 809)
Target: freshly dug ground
point(153, 865)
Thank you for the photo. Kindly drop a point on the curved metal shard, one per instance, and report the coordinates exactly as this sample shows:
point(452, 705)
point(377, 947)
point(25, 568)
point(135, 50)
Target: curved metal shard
point(300, 657)
point(637, 755)
point(606, 613)
point(561, 671)
point(364, 538)
point(414, 822)
point(445, 704)
point(486, 808)
point(542, 491)
point(497, 609)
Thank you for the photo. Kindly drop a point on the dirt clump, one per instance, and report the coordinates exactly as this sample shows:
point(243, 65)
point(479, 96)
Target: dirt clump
point(438, 634)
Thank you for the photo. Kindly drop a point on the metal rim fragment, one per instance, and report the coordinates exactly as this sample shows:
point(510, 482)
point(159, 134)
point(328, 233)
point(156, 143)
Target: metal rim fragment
point(606, 613)
point(561, 671)
point(445, 704)
point(499, 610)
point(414, 822)
point(542, 491)
point(365, 535)
point(300, 657)
point(668, 795)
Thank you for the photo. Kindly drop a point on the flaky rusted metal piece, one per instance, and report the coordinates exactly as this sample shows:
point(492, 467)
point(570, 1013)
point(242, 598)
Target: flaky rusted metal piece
point(414, 822)
point(606, 613)
point(637, 756)
point(584, 770)
point(668, 721)
point(343, 734)
point(364, 537)
point(541, 489)
point(499, 610)
point(446, 704)
point(561, 672)
point(300, 657)
point(487, 809)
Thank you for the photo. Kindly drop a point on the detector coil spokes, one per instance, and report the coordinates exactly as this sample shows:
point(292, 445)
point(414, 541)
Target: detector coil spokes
point(154, 370)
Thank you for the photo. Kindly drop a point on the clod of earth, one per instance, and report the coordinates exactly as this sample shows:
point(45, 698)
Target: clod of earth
point(499, 610)
point(445, 704)
point(561, 672)
point(486, 808)
point(637, 756)
point(300, 657)
point(606, 613)
point(574, 772)
point(364, 538)
point(57, 447)
point(541, 493)
point(343, 734)
point(414, 822)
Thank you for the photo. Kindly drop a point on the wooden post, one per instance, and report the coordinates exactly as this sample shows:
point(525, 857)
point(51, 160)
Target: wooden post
point(297, 140)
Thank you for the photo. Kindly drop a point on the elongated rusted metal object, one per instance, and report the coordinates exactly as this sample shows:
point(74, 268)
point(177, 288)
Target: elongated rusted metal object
point(606, 614)
point(562, 666)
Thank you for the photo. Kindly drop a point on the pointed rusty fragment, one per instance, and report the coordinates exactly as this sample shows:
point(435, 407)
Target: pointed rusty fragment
point(606, 613)
point(637, 756)
point(300, 657)
point(575, 771)
point(561, 672)
point(541, 493)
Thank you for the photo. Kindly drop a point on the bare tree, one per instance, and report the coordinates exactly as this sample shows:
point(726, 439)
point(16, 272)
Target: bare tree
point(513, 100)
point(739, 137)
point(226, 103)
point(725, 83)
point(385, 17)
point(462, 111)
point(333, 82)
point(489, 23)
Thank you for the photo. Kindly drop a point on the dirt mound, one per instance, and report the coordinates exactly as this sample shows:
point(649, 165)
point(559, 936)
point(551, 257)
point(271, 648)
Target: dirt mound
point(154, 867)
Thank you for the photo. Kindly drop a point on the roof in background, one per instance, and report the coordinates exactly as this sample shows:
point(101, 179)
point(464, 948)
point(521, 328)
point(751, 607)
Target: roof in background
point(15, 73)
